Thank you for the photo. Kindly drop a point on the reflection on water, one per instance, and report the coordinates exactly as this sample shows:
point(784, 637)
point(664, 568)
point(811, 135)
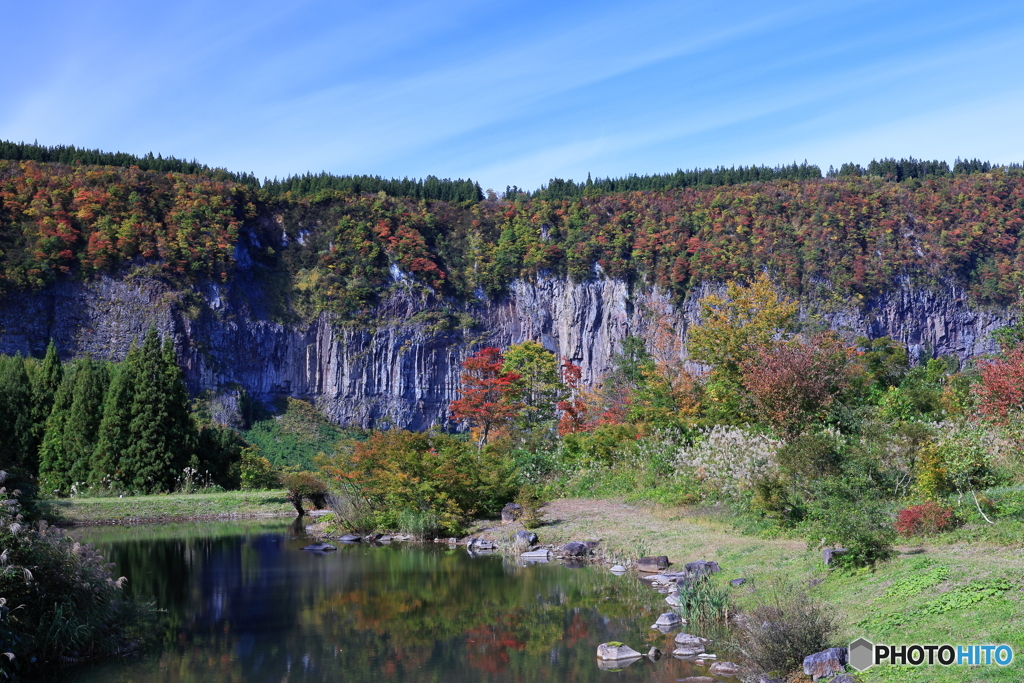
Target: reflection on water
point(246, 603)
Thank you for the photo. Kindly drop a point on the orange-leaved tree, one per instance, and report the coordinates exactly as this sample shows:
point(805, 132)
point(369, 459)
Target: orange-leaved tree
point(488, 394)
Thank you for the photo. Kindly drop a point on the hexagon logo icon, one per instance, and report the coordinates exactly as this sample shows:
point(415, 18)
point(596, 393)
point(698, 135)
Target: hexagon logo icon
point(861, 654)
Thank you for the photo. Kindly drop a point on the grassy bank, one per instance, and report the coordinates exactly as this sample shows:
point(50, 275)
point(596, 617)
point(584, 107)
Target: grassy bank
point(953, 590)
point(167, 508)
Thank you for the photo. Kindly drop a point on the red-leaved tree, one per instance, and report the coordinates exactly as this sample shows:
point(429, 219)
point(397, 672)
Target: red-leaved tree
point(794, 383)
point(574, 411)
point(1001, 392)
point(488, 394)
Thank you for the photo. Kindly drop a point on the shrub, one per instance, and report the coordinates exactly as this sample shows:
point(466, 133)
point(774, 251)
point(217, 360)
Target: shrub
point(256, 472)
point(784, 626)
point(307, 486)
point(396, 471)
point(811, 456)
point(60, 601)
point(729, 460)
point(927, 518)
point(846, 511)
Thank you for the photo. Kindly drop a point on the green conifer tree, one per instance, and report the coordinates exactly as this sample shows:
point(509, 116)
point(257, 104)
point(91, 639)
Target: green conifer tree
point(16, 438)
point(81, 431)
point(45, 382)
point(114, 434)
point(182, 434)
point(158, 444)
point(52, 464)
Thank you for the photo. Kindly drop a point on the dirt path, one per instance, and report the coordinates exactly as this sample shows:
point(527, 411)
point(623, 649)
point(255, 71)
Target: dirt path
point(681, 534)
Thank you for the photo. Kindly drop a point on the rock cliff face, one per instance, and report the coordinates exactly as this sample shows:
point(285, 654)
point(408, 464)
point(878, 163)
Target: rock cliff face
point(404, 370)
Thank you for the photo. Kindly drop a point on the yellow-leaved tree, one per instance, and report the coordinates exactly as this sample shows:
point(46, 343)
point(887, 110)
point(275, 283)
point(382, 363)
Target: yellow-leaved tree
point(732, 329)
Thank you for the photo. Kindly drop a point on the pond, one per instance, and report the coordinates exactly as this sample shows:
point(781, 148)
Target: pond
point(245, 602)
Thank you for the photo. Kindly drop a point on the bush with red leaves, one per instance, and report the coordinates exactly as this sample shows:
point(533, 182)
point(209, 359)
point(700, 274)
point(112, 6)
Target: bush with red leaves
point(927, 518)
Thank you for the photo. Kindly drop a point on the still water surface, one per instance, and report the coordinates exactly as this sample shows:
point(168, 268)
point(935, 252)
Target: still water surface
point(246, 603)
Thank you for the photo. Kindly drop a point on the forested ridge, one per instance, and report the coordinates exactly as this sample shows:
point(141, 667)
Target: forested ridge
point(856, 235)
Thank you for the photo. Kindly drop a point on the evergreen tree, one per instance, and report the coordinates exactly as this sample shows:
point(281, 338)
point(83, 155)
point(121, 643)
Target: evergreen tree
point(45, 381)
point(182, 435)
point(114, 434)
point(81, 431)
point(161, 437)
point(16, 433)
point(53, 478)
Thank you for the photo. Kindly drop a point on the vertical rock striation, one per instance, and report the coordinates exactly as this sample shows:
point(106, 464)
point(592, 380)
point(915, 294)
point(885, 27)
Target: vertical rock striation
point(403, 370)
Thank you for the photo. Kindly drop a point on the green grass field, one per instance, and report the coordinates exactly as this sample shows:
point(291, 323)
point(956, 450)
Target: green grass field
point(167, 508)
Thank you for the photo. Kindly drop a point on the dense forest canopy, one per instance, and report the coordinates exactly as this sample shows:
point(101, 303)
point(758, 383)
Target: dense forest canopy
point(855, 232)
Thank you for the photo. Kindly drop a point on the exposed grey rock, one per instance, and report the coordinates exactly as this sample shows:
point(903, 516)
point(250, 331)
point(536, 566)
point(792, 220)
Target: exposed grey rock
point(829, 554)
point(351, 538)
point(825, 663)
point(673, 599)
point(724, 669)
point(617, 569)
point(654, 654)
point(542, 555)
point(511, 513)
point(688, 645)
point(668, 619)
point(320, 547)
point(575, 549)
point(475, 544)
point(652, 564)
point(842, 678)
point(701, 568)
point(401, 370)
point(736, 583)
point(526, 537)
point(616, 651)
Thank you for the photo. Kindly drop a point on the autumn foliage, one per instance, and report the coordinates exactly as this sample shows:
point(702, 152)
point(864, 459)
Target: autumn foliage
point(927, 518)
point(488, 394)
point(793, 384)
point(1001, 392)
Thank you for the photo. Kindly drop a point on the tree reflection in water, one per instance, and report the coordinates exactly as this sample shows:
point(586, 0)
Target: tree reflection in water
point(245, 603)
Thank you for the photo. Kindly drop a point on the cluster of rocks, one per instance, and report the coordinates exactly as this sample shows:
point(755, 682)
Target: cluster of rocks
point(820, 665)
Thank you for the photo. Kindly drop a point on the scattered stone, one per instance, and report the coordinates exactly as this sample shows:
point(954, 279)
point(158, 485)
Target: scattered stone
point(736, 583)
point(615, 651)
point(320, 547)
point(766, 679)
point(480, 544)
point(724, 669)
point(829, 554)
point(453, 541)
point(542, 555)
point(843, 678)
point(689, 645)
point(575, 549)
point(385, 539)
point(825, 663)
point(618, 569)
point(673, 599)
point(511, 512)
point(669, 619)
point(350, 538)
point(652, 564)
point(701, 569)
point(524, 536)
point(697, 679)
point(654, 654)
point(592, 544)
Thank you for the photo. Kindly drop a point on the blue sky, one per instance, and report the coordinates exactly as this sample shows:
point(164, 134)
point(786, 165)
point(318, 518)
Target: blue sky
point(517, 93)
